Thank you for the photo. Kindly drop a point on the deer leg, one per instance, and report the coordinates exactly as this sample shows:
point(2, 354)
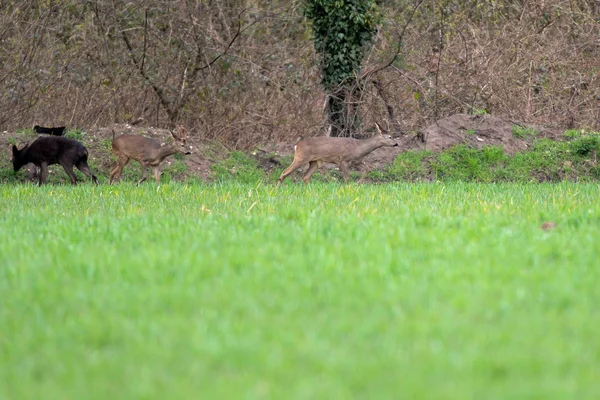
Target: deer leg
point(363, 167)
point(118, 169)
point(122, 163)
point(143, 174)
point(344, 169)
point(69, 170)
point(312, 167)
point(113, 173)
point(156, 174)
point(295, 165)
point(85, 168)
point(43, 174)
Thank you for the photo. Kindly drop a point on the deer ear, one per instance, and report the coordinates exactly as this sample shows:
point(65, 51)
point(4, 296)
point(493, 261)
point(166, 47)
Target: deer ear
point(15, 149)
point(181, 131)
point(378, 129)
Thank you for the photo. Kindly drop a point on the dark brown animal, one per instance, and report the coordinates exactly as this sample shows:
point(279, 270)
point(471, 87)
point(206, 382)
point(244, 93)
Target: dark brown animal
point(344, 152)
point(48, 150)
point(55, 131)
point(148, 152)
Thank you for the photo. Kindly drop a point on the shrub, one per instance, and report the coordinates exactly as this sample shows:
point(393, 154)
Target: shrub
point(585, 145)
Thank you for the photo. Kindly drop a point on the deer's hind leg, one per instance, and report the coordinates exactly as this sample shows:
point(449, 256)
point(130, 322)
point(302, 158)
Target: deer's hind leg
point(43, 174)
point(69, 170)
point(122, 161)
point(344, 169)
point(143, 173)
point(156, 173)
point(364, 169)
point(312, 167)
point(295, 165)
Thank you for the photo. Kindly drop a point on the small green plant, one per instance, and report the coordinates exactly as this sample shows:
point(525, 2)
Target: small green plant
point(76, 134)
point(478, 111)
point(523, 132)
point(573, 133)
point(25, 132)
point(7, 175)
point(175, 171)
point(106, 144)
point(470, 132)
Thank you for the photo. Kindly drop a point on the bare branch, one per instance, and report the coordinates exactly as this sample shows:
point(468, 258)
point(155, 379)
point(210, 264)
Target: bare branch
point(398, 45)
point(228, 46)
point(157, 89)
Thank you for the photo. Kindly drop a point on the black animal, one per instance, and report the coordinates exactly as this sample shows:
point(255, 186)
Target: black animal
point(57, 131)
point(48, 150)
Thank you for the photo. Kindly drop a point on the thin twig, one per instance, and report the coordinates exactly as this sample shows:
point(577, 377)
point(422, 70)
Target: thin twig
point(398, 45)
point(439, 61)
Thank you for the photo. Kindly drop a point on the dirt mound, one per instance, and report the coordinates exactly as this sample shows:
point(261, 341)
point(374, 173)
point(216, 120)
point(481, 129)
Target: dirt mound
point(479, 131)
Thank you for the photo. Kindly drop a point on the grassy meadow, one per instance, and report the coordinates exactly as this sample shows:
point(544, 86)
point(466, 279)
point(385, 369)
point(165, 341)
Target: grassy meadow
point(332, 291)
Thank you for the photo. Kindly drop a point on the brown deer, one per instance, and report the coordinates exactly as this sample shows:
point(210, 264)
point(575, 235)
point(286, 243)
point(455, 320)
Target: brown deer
point(341, 151)
point(148, 152)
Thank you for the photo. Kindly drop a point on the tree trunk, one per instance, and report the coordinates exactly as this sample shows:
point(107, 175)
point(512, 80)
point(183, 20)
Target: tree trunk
point(342, 112)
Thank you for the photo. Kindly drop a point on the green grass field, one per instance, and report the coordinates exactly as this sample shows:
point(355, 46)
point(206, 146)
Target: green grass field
point(326, 291)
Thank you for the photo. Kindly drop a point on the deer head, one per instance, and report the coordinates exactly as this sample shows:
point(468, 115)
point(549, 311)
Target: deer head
point(384, 138)
point(180, 140)
point(17, 156)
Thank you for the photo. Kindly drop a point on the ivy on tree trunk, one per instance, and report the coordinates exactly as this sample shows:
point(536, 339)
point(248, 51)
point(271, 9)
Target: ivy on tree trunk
point(342, 32)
